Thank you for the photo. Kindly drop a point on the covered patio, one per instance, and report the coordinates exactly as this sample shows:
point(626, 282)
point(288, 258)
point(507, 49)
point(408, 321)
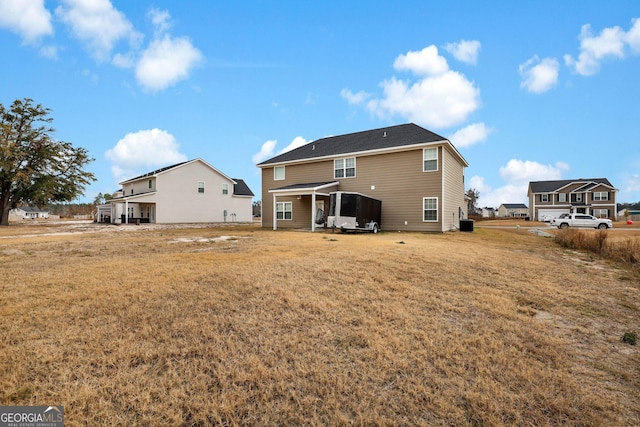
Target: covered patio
point(317, 192)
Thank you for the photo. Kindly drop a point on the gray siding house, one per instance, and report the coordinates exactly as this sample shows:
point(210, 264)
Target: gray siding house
point(593, 196)
point(417, 174)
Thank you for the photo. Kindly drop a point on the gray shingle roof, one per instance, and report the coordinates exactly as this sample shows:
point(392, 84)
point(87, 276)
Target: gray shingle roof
point(514, 206)
point(551, 186)
point(241, 188)
point(376, 139)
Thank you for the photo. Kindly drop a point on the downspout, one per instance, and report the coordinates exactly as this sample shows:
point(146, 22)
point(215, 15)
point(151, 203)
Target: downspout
point(126, 211)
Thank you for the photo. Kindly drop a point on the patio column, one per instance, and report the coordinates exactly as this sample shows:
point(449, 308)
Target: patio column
point(275, 214)
point(126, 211)
point(313, 211)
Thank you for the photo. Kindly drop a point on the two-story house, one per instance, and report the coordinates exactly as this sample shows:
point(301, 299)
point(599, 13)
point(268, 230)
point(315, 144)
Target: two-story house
point(187, 192)
point(513, 210)
point(417, 174)
point(550, 199)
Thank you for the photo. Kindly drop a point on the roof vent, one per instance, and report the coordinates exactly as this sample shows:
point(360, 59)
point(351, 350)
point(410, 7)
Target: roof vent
point(385, 134)
point(313, 147)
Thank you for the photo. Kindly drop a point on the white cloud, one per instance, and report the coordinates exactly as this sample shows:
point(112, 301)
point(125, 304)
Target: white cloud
point(439, 97)
point(470, 135)
point(266, 151)
point(29, 19)
point(426, 62)
point(633, 36)
point(609, 43)
point(140, 151)
point(465, 51)
point(298, 141)
point(539, 76)
point(161, 20)
point(49, 51)
point(268, 148)
point(442, 101)
point(517, 174)
point(165, 62)
point(97, 24)
point(354, 98)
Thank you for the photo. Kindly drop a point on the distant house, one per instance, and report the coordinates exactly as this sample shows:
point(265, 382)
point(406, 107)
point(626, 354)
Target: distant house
point(187, 192)
point(417, 174)
point(488, 212)
point(28, 212)
point(593, 196)
point(513, 210)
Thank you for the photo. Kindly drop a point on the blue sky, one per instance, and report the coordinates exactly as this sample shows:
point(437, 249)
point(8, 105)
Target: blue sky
point(526, 90)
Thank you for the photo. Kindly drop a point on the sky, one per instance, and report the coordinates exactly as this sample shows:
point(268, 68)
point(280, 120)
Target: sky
point(525, 90)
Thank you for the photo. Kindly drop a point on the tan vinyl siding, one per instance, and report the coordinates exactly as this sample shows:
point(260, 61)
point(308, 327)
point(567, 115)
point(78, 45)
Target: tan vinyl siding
point(395, 178)
point(453, 192)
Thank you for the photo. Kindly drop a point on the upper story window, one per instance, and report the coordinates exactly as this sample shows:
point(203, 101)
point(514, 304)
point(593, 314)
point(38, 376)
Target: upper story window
point(344, 168)
point(278, 173)
point(429, 159)
point(544, 197)
point(600, 195)
point(200, 187)
point(578, 197)
point(225, 188)
point(562, 197)
point(150, 183)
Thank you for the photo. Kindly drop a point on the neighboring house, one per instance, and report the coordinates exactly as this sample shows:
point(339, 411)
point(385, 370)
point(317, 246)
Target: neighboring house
point(488, 212)
point(28, 212)
point(188, 192)
point(418, 176)
point(594, 196)
point(513, 210)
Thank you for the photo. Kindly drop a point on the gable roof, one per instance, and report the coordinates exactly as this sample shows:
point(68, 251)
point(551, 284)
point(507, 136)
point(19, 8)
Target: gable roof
point(551, 186)
point(514, 206)
point(370, 140)
point(240, 188)
point(168, 168)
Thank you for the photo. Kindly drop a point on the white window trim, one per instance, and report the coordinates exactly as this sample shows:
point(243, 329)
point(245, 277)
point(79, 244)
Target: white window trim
point(275, 177)
point(543, 196)
point(344, 168)
point(284, 211)
point(199, 187)
point(436, 209)
point(601, 193)
point(562, 197)
point(424, 152)
point(225, 188)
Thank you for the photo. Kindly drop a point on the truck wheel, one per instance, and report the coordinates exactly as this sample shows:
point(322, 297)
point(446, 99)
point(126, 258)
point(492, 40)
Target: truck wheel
point(564, 225)
point(602, 226)
point(375, 229)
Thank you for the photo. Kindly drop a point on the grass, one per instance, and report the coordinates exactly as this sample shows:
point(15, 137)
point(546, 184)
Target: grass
point(625, 250)
point(151, 326)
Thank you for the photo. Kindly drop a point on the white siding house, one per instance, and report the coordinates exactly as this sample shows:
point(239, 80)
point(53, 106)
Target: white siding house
point(188, 192)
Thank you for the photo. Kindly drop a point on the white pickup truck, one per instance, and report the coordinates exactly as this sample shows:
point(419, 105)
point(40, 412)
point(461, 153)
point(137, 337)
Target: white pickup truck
point(581, 220)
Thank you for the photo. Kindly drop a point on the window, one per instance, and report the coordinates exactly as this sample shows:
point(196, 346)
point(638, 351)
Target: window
point(278, 173)
point(344, 168)
point(562, 197)
point(429, 159)
point(200, 187)
point(600, 195)
point(579, 197)
point(601, 213)
point(150, 184)
point(544, 197)
point(225, 188)
point(430, 209)
point(284, 210)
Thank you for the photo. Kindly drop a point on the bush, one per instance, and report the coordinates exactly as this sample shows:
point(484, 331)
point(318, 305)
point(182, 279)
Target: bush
point(626, 251)
point(630, 338)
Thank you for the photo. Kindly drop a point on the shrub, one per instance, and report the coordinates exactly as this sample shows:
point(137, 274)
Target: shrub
point(629, 338)
point(626, 251)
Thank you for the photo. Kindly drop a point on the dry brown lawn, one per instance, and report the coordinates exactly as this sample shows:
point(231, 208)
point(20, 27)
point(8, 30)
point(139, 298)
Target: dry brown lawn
point(186, 326)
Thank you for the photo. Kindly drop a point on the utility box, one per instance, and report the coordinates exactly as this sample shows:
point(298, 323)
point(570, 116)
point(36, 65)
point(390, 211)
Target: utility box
point(466, 225)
